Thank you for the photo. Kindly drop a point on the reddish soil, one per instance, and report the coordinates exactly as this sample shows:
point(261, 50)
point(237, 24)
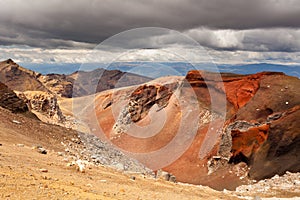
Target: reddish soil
point(252, 99)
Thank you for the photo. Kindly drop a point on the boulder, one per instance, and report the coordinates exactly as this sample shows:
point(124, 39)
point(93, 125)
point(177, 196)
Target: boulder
point(10, 101)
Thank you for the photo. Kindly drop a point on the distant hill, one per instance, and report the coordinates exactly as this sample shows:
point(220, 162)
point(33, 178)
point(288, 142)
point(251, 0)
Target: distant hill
point(19, 78)
point(86, 83)
point(291, 70)
point(169, 68)
point(78, 83)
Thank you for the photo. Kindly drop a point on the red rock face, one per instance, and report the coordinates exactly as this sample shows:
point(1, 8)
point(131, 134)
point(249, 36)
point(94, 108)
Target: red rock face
point(260, 125)
point(240, 91)
point(246, 143)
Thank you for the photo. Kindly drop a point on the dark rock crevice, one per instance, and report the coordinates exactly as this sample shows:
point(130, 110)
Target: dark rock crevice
point(261, 145)
point(141, 100)
point(144, 97)
point(10, 101)
point(238, 143)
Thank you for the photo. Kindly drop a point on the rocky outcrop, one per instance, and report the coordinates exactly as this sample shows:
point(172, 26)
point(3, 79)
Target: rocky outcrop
point(44, 105)
point(140, 102)
point(144, 97)
point(254, 137)
point(59, 84)
point(10, 101)
point(246, 141)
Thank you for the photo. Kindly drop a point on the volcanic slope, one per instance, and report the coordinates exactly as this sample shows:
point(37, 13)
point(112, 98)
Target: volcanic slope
point(246, 126)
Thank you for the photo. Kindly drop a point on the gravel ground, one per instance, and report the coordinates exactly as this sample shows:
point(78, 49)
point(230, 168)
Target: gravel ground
point(91, 149)
point(287, 185)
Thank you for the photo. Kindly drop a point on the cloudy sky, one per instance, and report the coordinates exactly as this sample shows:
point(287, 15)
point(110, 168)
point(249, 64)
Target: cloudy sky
point(230, 31)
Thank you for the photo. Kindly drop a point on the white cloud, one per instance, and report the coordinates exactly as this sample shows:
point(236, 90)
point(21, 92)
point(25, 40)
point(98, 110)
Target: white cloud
point(275, 39)
point(194, 55)
point(151, 44)
point(221, 39)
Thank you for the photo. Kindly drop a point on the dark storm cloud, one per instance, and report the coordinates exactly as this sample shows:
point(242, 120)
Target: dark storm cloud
point(84, 23)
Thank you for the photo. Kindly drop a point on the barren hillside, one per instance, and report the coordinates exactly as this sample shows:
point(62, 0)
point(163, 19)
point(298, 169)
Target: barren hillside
point(221, 131)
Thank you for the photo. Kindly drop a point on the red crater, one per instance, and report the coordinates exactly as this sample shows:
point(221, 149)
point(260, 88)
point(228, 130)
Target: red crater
point(259, 130)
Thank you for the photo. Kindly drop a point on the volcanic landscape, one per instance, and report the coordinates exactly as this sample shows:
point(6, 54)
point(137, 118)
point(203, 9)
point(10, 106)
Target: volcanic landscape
point(108, 134)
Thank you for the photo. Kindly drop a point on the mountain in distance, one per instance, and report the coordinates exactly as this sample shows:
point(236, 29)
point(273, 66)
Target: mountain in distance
point(182, 68)
point(52, 68)
point(87, 82)
point(174, 68)
point(97, 80)
point(291, 70)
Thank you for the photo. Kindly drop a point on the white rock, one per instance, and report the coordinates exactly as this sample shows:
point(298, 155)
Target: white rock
point(44, 170)
point(16, 122)
point(81, 166)
point(70, 164)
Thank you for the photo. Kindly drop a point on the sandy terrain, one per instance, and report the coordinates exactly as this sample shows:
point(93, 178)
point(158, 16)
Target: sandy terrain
point(22, 176)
